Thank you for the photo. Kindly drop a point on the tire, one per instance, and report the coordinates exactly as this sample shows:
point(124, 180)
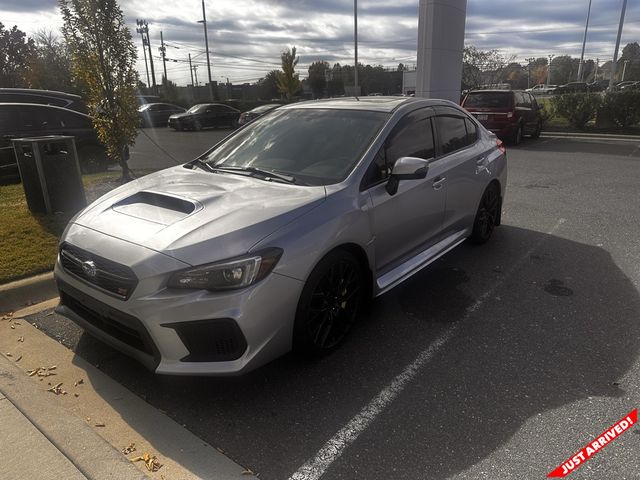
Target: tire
point(516, 137)
point(329, 304)
point(537, 131)
point(92, 159)
point(487, 215)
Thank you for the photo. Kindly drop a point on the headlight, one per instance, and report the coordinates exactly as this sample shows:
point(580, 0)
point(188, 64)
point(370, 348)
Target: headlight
point(228, 275)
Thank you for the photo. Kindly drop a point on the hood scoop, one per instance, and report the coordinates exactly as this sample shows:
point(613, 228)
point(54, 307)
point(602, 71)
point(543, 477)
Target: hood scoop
point(156, 207)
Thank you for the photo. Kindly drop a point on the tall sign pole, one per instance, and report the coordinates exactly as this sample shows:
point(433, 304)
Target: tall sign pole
point(206, 45)
point(163, 52)
point(614, 64)
point(355, 43)
point(584, 44)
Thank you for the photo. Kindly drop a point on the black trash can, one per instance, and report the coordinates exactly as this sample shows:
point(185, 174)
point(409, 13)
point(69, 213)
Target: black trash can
point(50, 174)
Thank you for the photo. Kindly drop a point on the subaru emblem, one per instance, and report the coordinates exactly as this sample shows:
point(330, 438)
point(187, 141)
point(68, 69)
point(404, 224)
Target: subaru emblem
point(89, 269)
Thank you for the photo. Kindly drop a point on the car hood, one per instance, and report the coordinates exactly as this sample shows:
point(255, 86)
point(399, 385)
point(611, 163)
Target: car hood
point(197, 216)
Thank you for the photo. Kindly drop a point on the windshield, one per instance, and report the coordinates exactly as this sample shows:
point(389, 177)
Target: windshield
point(316, 146)
point(488, 100)
point(196, 108)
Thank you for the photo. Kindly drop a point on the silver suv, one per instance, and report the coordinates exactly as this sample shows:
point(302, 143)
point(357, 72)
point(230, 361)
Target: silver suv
point(275, 237)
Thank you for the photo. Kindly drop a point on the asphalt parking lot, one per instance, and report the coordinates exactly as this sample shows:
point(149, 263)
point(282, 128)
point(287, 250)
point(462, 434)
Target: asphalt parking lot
point(499, 361)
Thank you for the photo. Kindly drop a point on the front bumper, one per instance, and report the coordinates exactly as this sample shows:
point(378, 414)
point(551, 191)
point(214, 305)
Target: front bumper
point(169, 330)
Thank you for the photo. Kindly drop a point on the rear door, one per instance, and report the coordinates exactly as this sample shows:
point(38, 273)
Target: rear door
point(409, 221)
point(460, 157)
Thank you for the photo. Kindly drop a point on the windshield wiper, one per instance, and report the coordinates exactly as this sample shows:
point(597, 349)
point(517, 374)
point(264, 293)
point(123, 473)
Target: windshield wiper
point(200, 163)
point(266, 174)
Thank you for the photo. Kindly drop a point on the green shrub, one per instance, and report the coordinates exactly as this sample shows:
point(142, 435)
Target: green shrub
point(547, 112)
point(577, 108)
point(623, 108)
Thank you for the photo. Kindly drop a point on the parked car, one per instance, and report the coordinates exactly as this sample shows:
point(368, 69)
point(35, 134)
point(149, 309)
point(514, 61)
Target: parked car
point(43, 97)
point(572, 87)
point(251, 115)
point(510, 114)
point(157, 114)
point(144, 99)
point(541, 89)
point(276, 237)
point(18, 120)
point(630, 86)
point(205, 115)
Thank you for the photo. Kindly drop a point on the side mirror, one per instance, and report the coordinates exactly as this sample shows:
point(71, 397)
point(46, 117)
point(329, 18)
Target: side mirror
point(406, 168)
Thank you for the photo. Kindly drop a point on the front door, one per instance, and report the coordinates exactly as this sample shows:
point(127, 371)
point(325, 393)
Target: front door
point(409, 221)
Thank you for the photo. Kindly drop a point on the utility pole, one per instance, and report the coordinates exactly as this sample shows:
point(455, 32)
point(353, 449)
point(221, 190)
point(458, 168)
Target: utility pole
point(584, 43)
point(549, 70)
point(191, 71)
point(529, 61)
point(595, 75)
point(206, 44)
point(195, 71)
point(624, 69)
point(355, 42)
point(144, 51)
point(144, 27)
point(614, 64)
point(163, 53)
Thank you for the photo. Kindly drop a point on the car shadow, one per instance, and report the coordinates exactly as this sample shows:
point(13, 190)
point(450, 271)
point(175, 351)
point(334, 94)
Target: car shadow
point(541, 322)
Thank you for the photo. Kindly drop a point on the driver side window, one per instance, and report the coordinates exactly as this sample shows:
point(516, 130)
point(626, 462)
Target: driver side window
point(411, 137)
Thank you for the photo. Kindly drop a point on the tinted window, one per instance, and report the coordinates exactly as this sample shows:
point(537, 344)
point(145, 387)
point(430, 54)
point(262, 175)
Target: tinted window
point(411, 137)
point(472, 131)
point(8, 118)
point(452, 133)
point(70, 120)
point(488, 100)
point(318, 147)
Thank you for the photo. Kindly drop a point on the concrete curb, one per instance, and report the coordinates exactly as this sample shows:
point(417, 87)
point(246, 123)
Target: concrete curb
point(85, 449)
point(28, 291)
point(595, 136)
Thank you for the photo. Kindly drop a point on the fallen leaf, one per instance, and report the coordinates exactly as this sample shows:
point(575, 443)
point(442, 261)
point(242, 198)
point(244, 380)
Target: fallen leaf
point(57, 389)
point(13, 327)
point(247, 472)
point(79, 382)
point(8, 354)
point(52, 367)
point(150, 461)
point(76, 395)
point(21, 339)
point(19, 358)
point(129, 449)
point(99, 424)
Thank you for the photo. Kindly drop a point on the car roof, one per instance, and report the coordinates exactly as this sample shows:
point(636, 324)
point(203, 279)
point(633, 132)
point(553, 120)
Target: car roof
point(34, 91)
point(40, 105)
point(495, 90)
point(376, 104)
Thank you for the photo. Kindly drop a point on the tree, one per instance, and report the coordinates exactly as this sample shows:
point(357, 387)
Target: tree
point(288, 79)
point(16, 53)
point(483, 67)
point(564, 69)
point(268, 86)
point(318, 78)
point(631, 53)
point(103, 58)
point(51, 64)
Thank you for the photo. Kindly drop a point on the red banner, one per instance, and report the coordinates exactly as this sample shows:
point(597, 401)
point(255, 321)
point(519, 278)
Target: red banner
point(601, 441)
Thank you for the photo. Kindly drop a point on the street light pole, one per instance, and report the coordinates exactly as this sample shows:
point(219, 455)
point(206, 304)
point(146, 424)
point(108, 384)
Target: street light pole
point(529, 61)
point(549, 70)
point(624, 69)
point(191, 71)
point(144, 29)
point(355, 42)
point(584, 43)
point(206, 44)
point(614, 64)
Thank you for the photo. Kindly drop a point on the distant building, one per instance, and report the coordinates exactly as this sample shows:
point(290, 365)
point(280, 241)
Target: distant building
point(409, 81)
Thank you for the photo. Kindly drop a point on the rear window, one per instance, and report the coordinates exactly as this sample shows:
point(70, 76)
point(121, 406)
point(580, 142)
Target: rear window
point(488, 100)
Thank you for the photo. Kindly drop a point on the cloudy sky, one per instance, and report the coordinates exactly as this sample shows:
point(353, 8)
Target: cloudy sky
point(247, 36)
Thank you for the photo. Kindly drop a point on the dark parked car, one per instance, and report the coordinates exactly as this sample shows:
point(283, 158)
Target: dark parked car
point(251, 115)
point(509, 114)
point(43, 97)
point(573, 87)
point(205, 115)
point(19, 120)
point(155, 114)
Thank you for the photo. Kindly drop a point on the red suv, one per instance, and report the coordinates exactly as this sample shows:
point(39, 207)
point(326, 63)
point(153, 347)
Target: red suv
point(509, 114)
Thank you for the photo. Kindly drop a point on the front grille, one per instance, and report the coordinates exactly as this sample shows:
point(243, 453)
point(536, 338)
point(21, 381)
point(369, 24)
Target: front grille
point(117, 324)
point(215, 340)
point(106, 275)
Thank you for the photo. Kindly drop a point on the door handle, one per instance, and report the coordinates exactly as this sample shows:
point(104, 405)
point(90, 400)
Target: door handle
point(438, 182)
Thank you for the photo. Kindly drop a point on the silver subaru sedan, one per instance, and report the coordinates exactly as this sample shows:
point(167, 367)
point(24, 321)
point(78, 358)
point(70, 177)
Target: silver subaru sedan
point(275, 238)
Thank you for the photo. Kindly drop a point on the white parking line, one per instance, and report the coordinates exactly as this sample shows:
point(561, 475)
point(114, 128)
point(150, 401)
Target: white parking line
point(315, 467)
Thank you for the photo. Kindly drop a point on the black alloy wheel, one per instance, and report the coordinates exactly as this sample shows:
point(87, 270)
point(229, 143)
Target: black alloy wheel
point(329, 304)
point(487, 215)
